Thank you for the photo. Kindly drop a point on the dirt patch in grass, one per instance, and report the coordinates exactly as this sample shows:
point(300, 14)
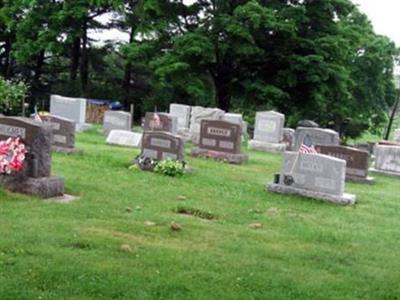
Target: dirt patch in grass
point(195, 212)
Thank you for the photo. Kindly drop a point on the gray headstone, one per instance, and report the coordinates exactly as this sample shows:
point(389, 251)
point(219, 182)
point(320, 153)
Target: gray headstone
point(318, 136)
point(397, 135)
point(315, 172)
point(116, 120)
point(63, 131)
point(307, 123)
point(269, 127)
point(69, 108)
point(387, 158)
point(237, 119)
point(288, 138)
point(182, 112)
point(124, 138)
point(162, 145)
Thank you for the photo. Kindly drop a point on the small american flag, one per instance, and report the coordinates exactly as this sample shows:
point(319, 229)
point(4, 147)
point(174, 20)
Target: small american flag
point(307, 146)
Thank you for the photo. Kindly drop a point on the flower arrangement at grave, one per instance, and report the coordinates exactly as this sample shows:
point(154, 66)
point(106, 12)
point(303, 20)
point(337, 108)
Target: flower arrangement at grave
point(166, 167)
point(12, 156)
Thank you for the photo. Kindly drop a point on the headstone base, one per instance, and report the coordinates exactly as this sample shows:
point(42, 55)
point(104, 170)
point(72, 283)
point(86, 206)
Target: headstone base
point(44, 187)
point(267, 147)
point(226, 157)
point(367, 180)
point(62, 199)
point(83, 127)
point(382, 172)
point(346, 199)
point(66, 150)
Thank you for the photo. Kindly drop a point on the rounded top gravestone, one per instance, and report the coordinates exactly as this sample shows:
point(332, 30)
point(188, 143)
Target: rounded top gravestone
point(307, 123)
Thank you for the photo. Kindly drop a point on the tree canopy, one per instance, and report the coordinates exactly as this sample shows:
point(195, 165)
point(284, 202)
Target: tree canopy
point(319, 60)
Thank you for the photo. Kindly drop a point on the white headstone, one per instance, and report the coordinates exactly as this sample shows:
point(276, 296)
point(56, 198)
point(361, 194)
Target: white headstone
point(316, 172)
point(387, 158)
point(397, 135)
point(182, 112)
point(237, 119)
point(124, 138)
point(69, 108)
point(269, 127)
point(116, 120)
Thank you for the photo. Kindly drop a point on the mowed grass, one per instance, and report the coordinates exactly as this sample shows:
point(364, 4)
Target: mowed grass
point(305, 249)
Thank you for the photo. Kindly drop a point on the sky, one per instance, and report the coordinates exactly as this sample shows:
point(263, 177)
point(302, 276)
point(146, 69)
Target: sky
point(384, 15)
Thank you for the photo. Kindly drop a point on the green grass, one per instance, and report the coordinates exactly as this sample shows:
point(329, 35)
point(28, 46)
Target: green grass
point(305, 249)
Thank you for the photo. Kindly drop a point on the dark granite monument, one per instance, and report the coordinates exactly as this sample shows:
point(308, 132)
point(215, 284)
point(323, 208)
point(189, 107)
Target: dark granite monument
point(357, 161)
point(220, 140)
point(63, 139)
point(162, 145)
point(35, 179)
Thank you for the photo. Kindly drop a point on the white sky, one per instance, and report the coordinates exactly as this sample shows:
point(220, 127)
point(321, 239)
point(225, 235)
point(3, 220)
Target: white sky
point(384, 15)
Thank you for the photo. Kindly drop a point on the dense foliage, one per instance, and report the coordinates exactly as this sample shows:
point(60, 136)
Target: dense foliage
point(310, 59)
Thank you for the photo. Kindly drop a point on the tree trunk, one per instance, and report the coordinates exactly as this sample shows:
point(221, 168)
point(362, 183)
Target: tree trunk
point(75, 54)
point(126, 83)
point(7, 57)
point(223, 84)
point(392, 117)
point(84, 60)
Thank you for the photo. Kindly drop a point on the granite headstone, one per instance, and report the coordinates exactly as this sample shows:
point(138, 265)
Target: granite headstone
point(357, 161)
point(313, 175)
point(35, 179)
point(387, 160)
point(161, 122)
point(220, 140)
point(200, 113)
point(318, 136)
point(63, 139)
point(162, 145)
point(70, 108)
point(124, 138)
point(114, 119)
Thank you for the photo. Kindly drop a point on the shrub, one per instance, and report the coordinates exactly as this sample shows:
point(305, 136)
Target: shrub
point(11, 94)
point(170, 168)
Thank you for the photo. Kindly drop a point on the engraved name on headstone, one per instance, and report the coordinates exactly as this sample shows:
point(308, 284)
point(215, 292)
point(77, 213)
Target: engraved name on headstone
point(357, 161)
point(162, 145)
point(220, 136)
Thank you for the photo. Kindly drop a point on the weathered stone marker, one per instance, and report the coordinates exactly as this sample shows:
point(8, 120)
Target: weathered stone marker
point(387, 160)
point(397, 135)
point(268, 132)
point(315, 176)
point(124, 138)
point(120, 120)
point(201, 113)
point(70, 108)
point(182, 112)
point(162, 145)
point(288, 138)
point(36, 177)
point(220, 140)
point(63, 139)
point(161, 122)
point(319, 136)
point(357, 161)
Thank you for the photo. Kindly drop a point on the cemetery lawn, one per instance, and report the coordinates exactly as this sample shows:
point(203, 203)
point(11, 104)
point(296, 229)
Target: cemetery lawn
point(116, 241)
